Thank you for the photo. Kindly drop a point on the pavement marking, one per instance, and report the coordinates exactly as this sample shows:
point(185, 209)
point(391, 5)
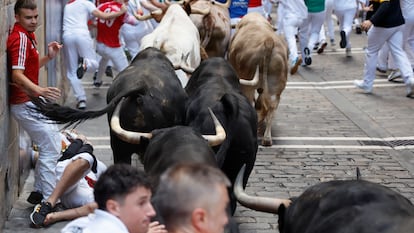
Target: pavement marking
point(362, 143)
point(338, 51)
point(338, 84)
point(347, 84)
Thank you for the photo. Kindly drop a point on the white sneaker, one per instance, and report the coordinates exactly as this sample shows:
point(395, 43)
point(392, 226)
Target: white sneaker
point(410, 86)
point(393, 75)
point(348, 52)
point(295, 65)
point(360, 84)
point(81, 105)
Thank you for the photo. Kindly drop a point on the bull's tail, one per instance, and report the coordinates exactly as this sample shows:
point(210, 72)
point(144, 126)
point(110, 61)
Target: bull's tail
point(63, 114)
point(69, 116)
point(268, 46)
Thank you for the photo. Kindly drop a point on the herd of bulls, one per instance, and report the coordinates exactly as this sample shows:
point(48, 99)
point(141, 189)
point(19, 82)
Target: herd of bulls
point(216, 119)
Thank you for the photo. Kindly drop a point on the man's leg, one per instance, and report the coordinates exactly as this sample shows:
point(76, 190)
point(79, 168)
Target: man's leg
point(73, 172)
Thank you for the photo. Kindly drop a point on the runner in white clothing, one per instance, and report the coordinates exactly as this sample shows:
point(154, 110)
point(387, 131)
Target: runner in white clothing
point(345, 11)
point(133, 33)
point(294, 16)
point(78, 43)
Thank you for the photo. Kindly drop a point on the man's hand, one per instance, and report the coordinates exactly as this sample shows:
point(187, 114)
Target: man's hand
point(53, 49)
point(123, 8)
point(50, 93)
point(156, 227)
point(366, 25)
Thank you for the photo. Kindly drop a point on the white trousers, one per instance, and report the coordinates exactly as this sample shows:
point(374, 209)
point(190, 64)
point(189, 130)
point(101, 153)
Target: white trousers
point(409, 38)
point(385, 61)
point(81, 193)
point(346, 18)
point(377, 37)
point(75, 46)
point(290, 29)
point(132, 35)
point(115, 55)
point(309, 34)
point(328, 18)
point(46, 136)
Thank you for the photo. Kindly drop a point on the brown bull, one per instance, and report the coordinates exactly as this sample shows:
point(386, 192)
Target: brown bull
point(214, 28)
point(255, 46)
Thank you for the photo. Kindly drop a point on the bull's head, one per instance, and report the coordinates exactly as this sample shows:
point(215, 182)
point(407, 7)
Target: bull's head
point(135, 137)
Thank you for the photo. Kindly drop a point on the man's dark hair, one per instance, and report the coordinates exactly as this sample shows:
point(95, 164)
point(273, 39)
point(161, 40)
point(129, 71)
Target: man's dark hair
point(24, 4)
point(118, 181)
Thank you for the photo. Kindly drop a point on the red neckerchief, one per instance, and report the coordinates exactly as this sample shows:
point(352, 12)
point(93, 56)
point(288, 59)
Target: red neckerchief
point(91, 182)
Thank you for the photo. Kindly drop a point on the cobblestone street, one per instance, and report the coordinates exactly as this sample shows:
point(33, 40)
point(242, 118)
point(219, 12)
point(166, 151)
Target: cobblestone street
point(324, 129)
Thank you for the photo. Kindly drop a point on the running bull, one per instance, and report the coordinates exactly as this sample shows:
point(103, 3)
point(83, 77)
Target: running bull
point(153, 96)
point(214, 28)
point(256, 48)
point(341, 206)
point(214, 84)
point(176, 36)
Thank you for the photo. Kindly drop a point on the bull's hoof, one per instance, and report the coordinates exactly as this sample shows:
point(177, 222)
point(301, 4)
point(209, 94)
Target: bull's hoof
point(266, 142)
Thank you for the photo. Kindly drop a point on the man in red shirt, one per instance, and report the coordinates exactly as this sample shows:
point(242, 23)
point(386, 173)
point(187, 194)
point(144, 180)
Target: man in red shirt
point(108, 43)
point(23, 70)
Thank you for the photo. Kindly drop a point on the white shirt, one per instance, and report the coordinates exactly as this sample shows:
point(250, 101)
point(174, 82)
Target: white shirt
point(76, 15)
point(100, 221)
point(341, 5)
point(294, 8)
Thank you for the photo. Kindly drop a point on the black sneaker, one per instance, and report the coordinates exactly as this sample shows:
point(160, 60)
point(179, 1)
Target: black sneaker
point(308, 59)
point(358, 30)
point(322, 47)
point(35, 198)
point(96, 83)
point(81, 68)
point(108, 72)
point(342, 43)
point(39, 213)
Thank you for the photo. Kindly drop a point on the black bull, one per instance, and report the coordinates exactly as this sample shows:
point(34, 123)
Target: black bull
point(341, 206)
point(154, 99)
point(214, 84)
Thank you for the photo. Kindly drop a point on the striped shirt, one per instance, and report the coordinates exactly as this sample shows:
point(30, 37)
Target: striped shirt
point(22, 54)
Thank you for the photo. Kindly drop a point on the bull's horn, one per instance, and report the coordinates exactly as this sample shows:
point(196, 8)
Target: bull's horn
point(124, 135)
point(264, 204)
point(148, 16)
point(205, 11)
point(252, 82)
point(225, 5)
point(215, 140)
